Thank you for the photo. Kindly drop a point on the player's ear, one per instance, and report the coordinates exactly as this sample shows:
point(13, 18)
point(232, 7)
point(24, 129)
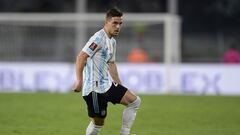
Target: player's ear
point(105, 22)
point(107, 19)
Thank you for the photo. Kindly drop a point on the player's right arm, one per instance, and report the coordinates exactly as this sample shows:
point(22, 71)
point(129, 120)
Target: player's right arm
point(80, 62)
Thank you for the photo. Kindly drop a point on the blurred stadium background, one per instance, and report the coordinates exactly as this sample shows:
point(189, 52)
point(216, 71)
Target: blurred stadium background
point(184, 43)
point(207, 29)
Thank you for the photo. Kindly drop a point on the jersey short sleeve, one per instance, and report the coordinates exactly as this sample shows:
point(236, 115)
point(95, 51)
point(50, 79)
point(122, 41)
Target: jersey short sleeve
point(92, 46)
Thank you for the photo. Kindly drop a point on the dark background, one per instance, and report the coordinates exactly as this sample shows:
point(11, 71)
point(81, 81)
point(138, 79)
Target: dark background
point(206, 25)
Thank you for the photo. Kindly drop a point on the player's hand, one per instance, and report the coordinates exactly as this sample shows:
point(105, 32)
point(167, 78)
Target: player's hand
point(77, 86)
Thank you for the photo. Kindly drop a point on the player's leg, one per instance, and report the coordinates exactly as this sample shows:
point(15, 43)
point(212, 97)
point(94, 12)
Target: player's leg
point(95, 126)
point(97, 111)
point(121, 95)
point(128, 98)
point(132, 103)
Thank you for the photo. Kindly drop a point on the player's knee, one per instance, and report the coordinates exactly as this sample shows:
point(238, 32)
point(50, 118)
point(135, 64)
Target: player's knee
point(136, 103)
point(138, 100)
point(98, 121)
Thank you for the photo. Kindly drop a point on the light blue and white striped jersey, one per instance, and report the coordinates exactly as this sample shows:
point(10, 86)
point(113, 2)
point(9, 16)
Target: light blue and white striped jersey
point(101, 50)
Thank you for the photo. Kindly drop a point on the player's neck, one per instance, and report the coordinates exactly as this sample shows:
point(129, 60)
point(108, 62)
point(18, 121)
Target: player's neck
point(106, 31)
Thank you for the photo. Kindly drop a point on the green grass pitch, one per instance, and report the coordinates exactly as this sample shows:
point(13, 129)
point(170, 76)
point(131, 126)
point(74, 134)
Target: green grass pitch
point(65, 114)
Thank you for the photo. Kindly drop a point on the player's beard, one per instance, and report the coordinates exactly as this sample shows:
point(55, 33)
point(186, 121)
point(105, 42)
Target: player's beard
point(115, 32)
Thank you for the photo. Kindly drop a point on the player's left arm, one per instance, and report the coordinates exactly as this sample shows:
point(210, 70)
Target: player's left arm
point(114, 72)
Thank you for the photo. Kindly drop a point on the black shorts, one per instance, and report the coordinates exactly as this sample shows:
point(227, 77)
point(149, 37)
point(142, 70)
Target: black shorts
point(97, 102)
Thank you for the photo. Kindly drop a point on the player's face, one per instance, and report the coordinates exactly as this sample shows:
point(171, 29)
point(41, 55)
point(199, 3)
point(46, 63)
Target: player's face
point(114, 25)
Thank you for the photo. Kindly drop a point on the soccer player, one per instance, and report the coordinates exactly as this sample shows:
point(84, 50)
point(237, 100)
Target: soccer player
point(93, 63)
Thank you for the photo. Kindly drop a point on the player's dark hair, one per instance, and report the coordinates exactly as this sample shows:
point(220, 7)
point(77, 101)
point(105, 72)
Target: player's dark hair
point(114, 12)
